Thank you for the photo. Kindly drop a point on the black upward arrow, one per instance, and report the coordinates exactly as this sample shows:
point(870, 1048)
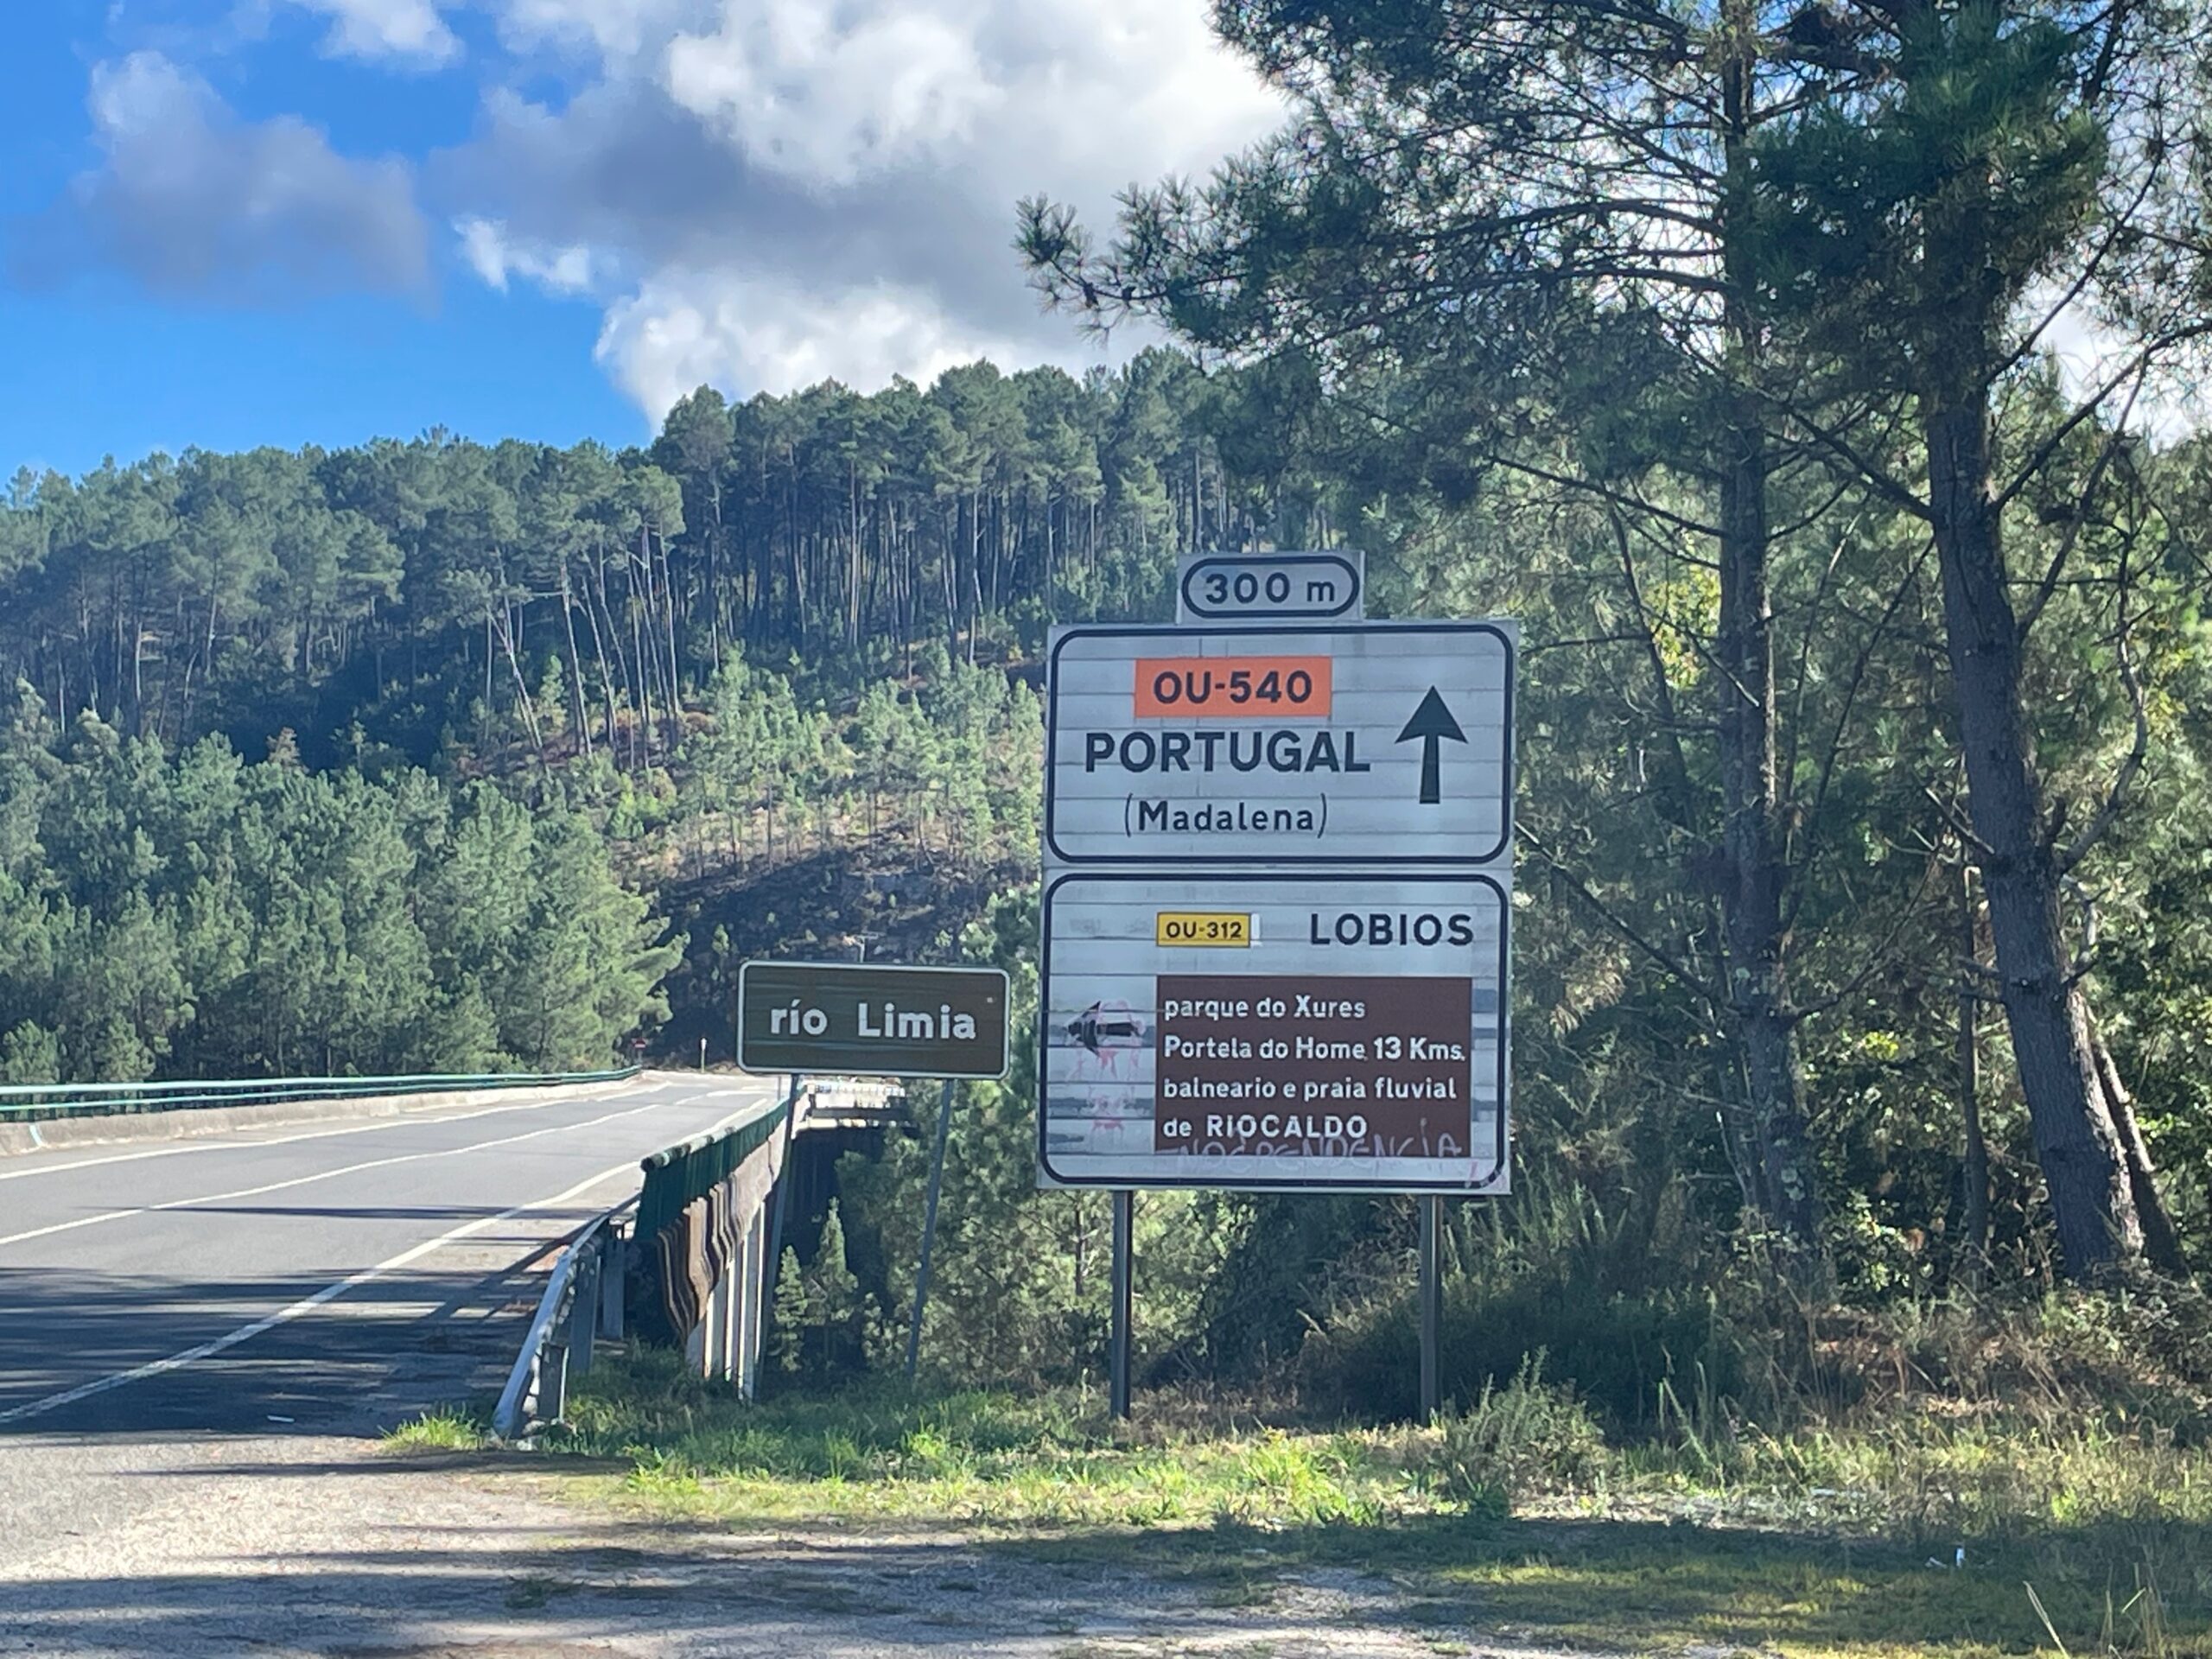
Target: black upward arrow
point(1431, 722)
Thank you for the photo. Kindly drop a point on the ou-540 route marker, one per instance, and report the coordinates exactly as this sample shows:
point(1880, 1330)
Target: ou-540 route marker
point(1285, 746)
point(1277, 906)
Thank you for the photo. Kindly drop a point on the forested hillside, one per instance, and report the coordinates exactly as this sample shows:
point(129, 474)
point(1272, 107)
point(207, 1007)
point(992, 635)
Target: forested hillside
point(523, 672)
point(193, 915)
point(448, 599)
point(501, 677)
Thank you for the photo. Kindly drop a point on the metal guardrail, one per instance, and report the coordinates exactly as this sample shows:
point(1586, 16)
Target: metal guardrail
point(858, 1103)
point(582, 1303)
point(583, 1298)
point(33, 1103)
point(678, 1174)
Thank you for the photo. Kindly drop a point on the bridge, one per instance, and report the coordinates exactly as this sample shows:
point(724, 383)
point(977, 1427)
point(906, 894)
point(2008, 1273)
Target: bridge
point(220, 1262)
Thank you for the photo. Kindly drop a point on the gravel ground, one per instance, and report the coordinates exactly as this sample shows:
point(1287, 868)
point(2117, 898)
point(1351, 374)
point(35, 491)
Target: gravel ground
point(330, 1546)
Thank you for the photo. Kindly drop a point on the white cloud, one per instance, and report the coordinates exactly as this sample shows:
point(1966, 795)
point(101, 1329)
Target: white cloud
point(2175, 399)
point(826, 93)
point(191, 200)
point(494, 258)
point(617, 29)
point(410, 30)
point(682, 328)
point(811, 186)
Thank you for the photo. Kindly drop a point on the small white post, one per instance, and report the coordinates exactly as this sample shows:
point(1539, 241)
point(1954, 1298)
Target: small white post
point(611, 1289)
point(695, 1343)
point(757, 1290)
point(733, 1313)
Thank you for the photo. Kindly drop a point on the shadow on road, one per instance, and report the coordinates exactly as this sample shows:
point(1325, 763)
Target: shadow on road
point(368, 1357)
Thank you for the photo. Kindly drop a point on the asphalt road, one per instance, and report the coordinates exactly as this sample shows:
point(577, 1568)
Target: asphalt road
point(329, 1278)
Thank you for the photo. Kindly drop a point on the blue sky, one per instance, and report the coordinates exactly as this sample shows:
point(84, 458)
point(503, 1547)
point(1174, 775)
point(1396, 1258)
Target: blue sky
point(232, 222)
point(99, 364)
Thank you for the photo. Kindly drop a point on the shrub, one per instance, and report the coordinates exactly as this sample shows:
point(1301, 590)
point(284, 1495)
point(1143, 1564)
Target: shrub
point(1613, 1350)
point(1527, 1436)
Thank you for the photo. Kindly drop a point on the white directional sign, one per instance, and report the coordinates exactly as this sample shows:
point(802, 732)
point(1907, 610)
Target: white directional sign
point(1278, 892)
point(1283, 746)
point(1273, 1030)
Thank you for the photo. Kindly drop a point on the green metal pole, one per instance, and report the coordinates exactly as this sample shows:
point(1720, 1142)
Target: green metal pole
point(774, 1264)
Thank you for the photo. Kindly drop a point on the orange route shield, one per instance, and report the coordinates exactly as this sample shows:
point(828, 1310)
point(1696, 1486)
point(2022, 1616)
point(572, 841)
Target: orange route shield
point(1232, 688)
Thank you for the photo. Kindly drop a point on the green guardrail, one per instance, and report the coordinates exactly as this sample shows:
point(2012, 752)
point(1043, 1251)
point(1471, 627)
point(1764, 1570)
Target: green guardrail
point(32, 1103)
point(691, 1169)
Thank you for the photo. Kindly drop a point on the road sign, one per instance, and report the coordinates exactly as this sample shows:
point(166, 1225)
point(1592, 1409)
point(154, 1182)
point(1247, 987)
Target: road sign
point(871, 1020)
point(1283, 746)
point(1274, 1029)
point(1275, 587)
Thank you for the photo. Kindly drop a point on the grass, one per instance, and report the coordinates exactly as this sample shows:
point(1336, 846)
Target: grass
point(1922, 1534)
point(972, 1459)
point(446, 1430)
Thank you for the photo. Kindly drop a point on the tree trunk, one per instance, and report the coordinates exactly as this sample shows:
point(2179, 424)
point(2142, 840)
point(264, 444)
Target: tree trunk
point(1973, 1161)
point(640, 638)
point(714, 572)
point(522, 700)
point(1758, 983)
point(675, 701)
point(2075, 1141)
point(951, 598)
point(613, 637)
point(606, 678)
point(1751, 900)
point(576, 698)
point(2161, 1239)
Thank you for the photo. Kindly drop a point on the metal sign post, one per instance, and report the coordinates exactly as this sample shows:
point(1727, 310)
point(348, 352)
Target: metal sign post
point(1432, 1302)
point(1278, 899)
point(1118, 1364)
point(929, 1230)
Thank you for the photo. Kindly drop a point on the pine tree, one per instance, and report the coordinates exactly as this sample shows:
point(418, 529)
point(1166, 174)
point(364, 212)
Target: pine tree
point(792, 1314)
point(834, 1304)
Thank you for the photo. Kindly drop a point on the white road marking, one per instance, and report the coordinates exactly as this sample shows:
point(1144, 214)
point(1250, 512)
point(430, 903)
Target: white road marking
point(305, 1305)
point(348, 1169)
point(412, 1115)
